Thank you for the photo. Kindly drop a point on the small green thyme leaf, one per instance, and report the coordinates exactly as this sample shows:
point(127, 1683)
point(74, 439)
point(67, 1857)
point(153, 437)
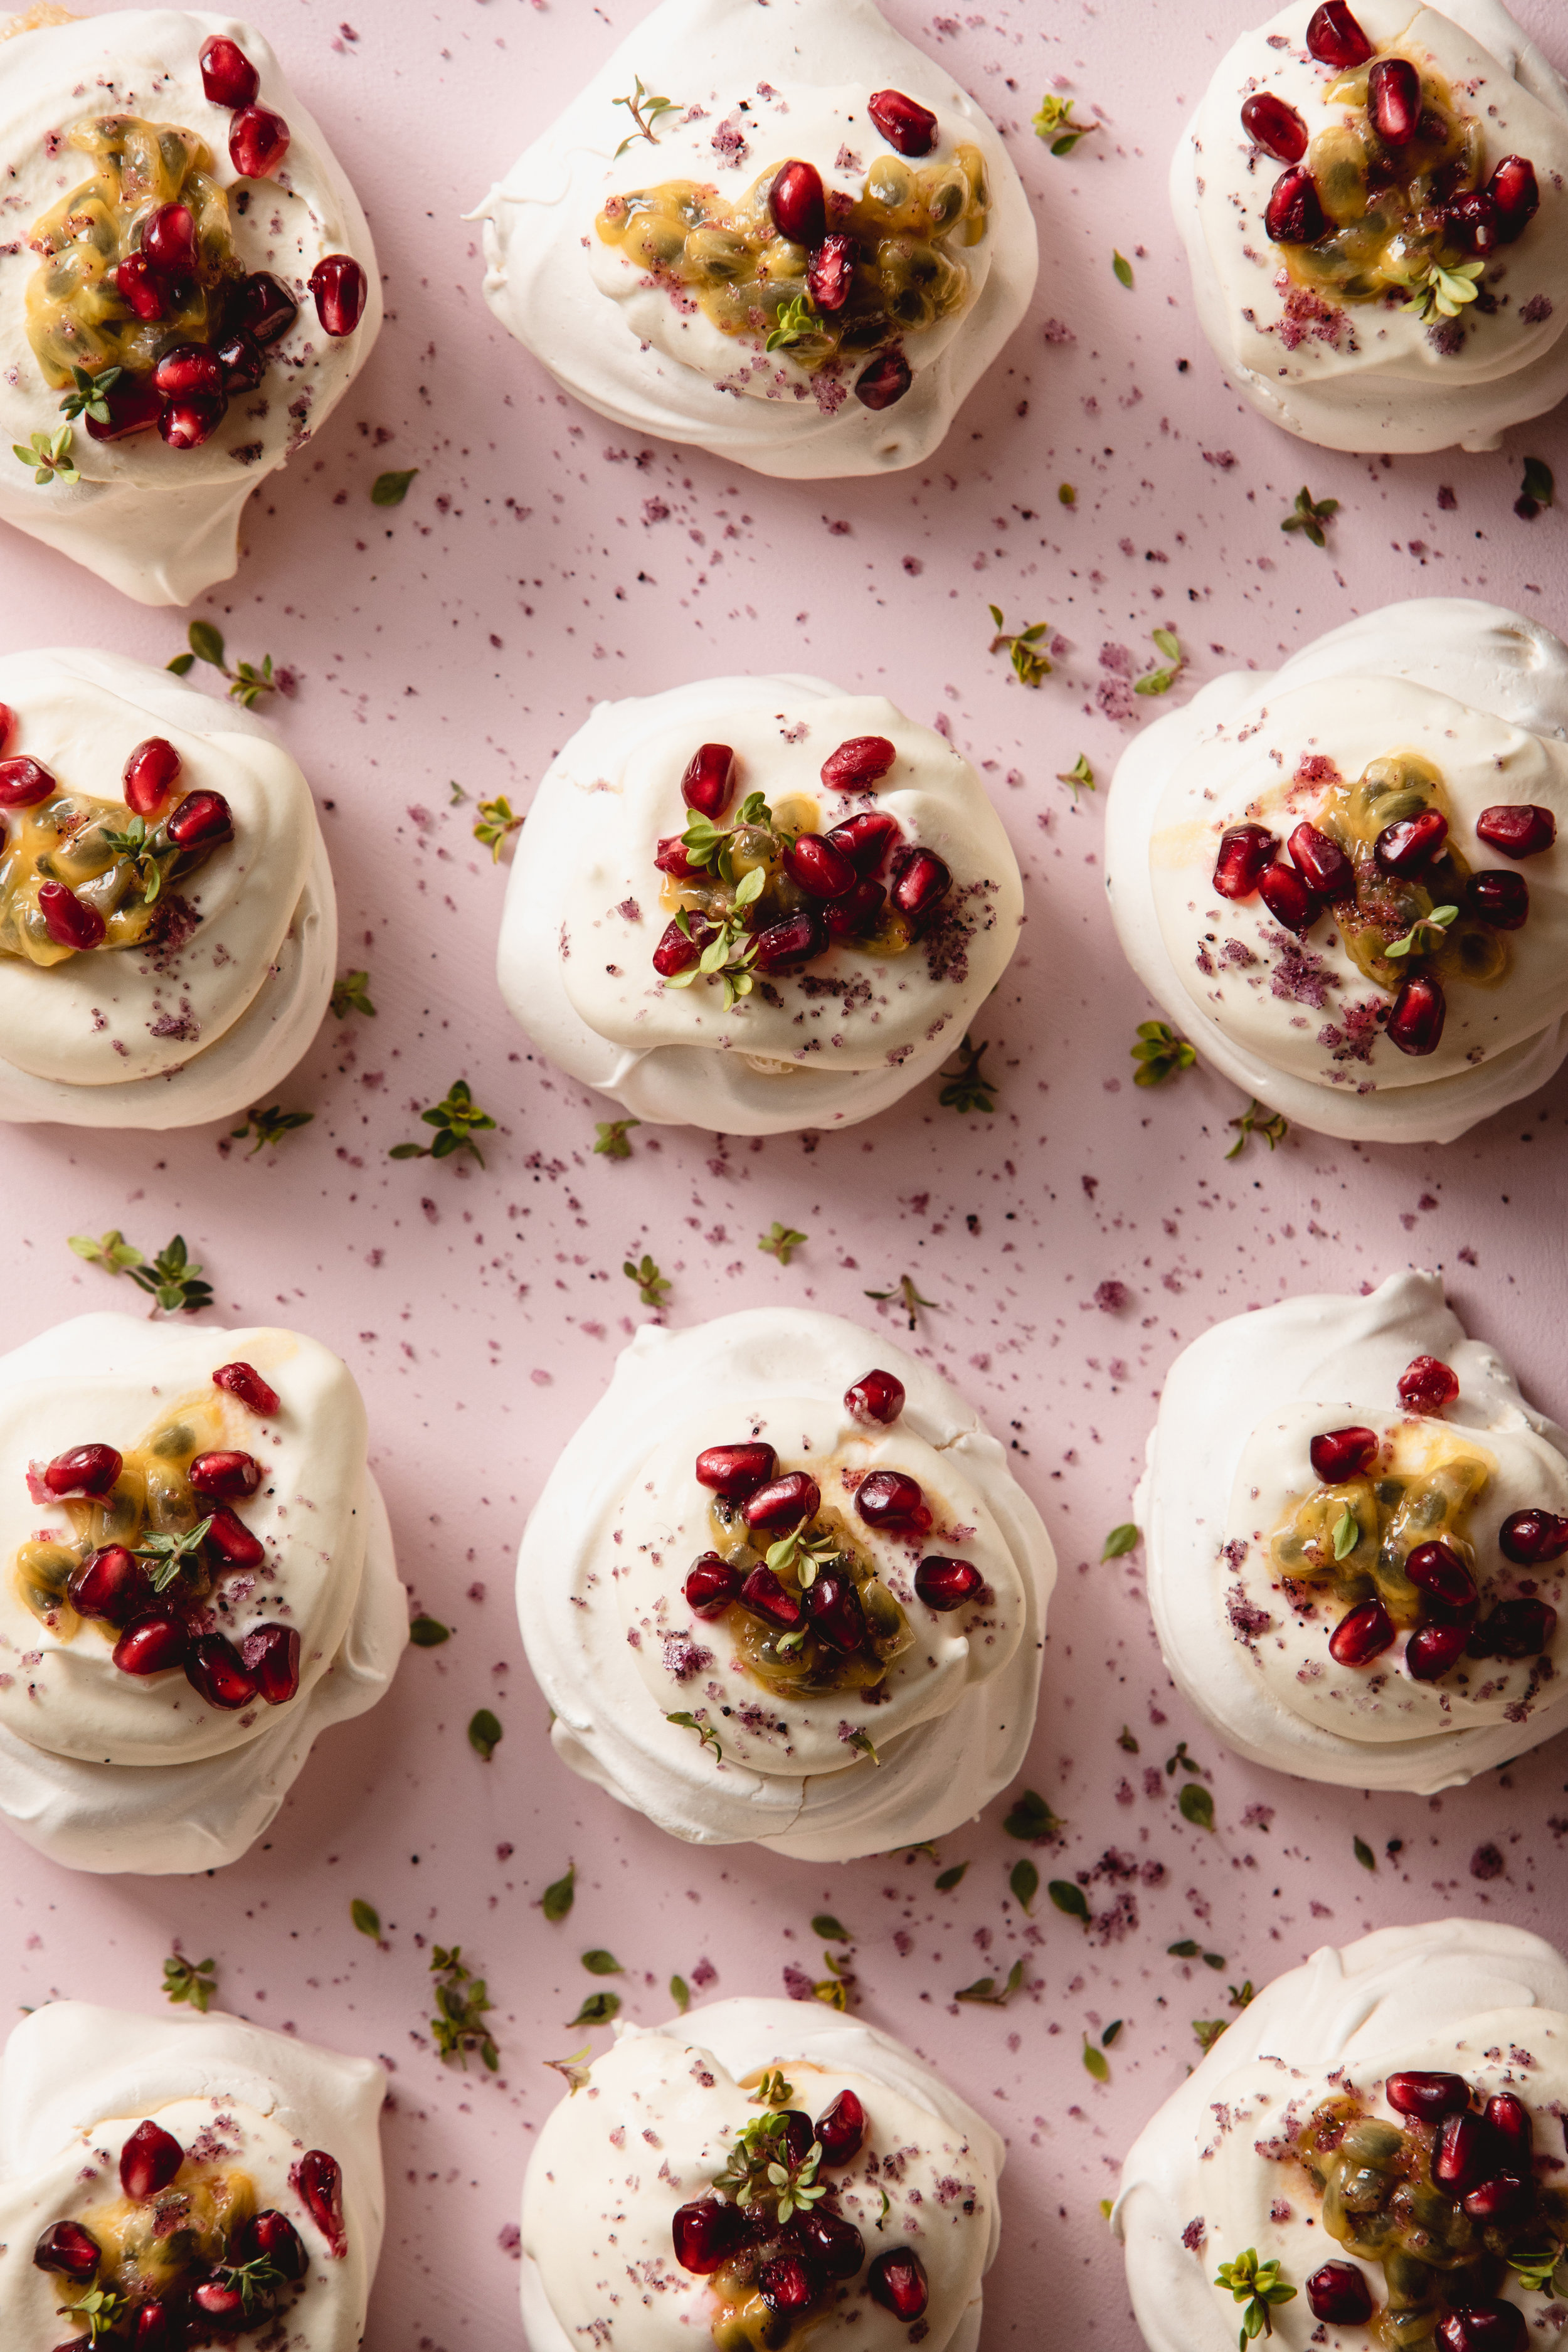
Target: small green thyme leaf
point(1363, 1853)
point(89, 396)
point(782, 1242)
point(1070, 1899)
point(1080, 776)
point(948, 1879)
point(597, 2009)
point(612, 1138)
point(1347, 1533)
point(1125, 1539)
point(462, 2003)
point(681, 1993)
point(50, 455)
point(270, 1127)
point(653, 1288)
point(1161, 1052)
point(1096, 2062)
point(1125, 1740)
point(1108, 2037)
point(1196, 1805)
point(968, 1088)
point(1538, 489)
point(985, 1989)
point(428, 1632)
point(349, 996)
point(484, 1734)
point(367, 1918)
point(1425, 935)
point(913, 1301)
point(189, 1981)
point(174, 1280)
point(1208, 2031)
point(830, 1929)
point(1185, 1951)
point(862, 1741)
point(602, 1964)
point(1160, 681)
point(1025, 1880)
point(705, 1733)
point(577, 2074)
point(457, 1121)
point(1030, 1820)
point(794, 324)
point(1256, 1119)
point(1536, 2267)
point(494, 825)
point(560, 1894)
point(1055, 124)
point(391, 490)
point(1123, 268)
point(1022, 648)
point(207, 644)
point(1065, 495)
point(1259, 2286)
point(111, 1251)
point(1309, 515)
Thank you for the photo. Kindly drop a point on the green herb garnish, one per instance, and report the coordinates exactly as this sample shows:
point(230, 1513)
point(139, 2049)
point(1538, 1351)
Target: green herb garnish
point(968, 1088)
point(645, 110)
point(1347, 1533)
point(462, 2003)
point(189, 1981)
point(599, 2009)
point(905, 1291)
point(560, 1894)
point(173, 1279)
point(705, 1732)
point(1055, 124)
point(495, 825)
point(1080, 776)
point(1029, 666)
point(1160, 681)
point(349, 996)
point(653, 1288)
point(367, 1918)
point(983, 1990)
point(247, 684)
point(1309, 515)
point(484, 1734)
point(1030, 1820)
point(1123, 269)
point(1425, 935)
point(611, 1134)
point(87, 395)
point(1258, 2285)
point(1125, 1539)
point(391, 490)
point(793, 324)
point(1160, 1051)
point(428, 1632)
point(1446, 288)
point(1255, 1120)
point(270, 1127)
point(456, 1121)
point(782, 1242)
point(167, 1552)
point(49, 455)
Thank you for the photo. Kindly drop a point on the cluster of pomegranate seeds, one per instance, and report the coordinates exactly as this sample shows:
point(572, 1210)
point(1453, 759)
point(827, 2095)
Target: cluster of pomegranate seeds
point(798, 203)
point(789, 2264)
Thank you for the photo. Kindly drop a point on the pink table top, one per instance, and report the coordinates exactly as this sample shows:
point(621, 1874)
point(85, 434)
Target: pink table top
point(543, 560)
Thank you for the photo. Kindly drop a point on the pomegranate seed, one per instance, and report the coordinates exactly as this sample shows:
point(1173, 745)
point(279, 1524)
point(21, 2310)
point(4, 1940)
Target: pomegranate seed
point(1484, 2328)
point(1294, 213)
point(233, 1541)
point(341, 287)
point(1341, 1454)
point(216, 2300)
point(1414, 842)
point(798, 205)
point(671, 858)
point(833, 1605)
point(840, 2128)
point(243, 362)
point(1363, 1635)
point(1339, 2292)
point(1508, 2119)
point(1416, 1023)
point(319, 2179)
point(798, 2133)
point(270, 1656)
point(85, 1470)
point(736, 1471)
point(228, 78)
point(1472, 222)
point(215, 1669)
point(152, 1643)
point(1322, 862)
point(1430, 1654)
point(784, 1503)
point(706, 2233)
point(896, 2281)
point(903, 122)
point(859, 763)
point(226, 1474)
point(1517, 831)
point(149, 2161)
point(110, 1584)
point(186, 424)
point(1288, 899)
point(710, 779)
point(890, 1498)
point(68, 2249)
point(833, 2242)
point(711, 1584)
point(152, 2331)
point(821, 871)
point(1513, 190)
point(23, 784)
point(1531, 1537)
point(1275, 126)
point(1499, 898)
point(787, 2283)
point(831, 277)
point(141, 288)
point(258, 141)
point(1394, 99)
point(1244, 850)
point(1461, 2153)
point(875, 1397)
point(857, 913)
point(266, 309)
point(271, 2236)
point(243, 1381)
point(920, 881)
point(1516, 1628)
point(786, 945)
point(944, 1584)
point(200, 817)
point(69, 920)
point(866, 839)
point(169, 241)
point(1429, 2097)
point(132, 408)
point(1334, 38)
point(1426, 1385)
point(1500, 2200)
point(149, 772)
point(885, 382)
point(678, 950)
point(766, 1598)
point(1436, 1569)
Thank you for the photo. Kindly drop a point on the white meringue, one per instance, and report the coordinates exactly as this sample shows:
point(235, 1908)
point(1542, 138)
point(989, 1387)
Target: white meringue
point(617, 1651)
point(752, 89)
point(1483, 694)
point(1369, 376)
point(77, 2079)
point(1201, 2183)
point(108, 1771)
point(845, 1039)
point(588, 2225)
point(1227, 1462)
point(157, 523)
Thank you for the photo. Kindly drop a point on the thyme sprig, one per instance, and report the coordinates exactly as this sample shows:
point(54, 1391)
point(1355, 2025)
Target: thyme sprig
point(1055, 124)
point(1021, 646)
point(653, 1288)
point(86, 397)
point(705, 1732)
point(101, 2307)
point(760, 2170)
point(495, 825)
point(794, 323)
point(172, 1280)
point(1161, 1052)
point(645, 110)
point(1080, 776)
point(1446, 288)
point(968, 1087)
point(245, 683)
point(349, 994)
point(728, 954)
point(611, 1134)
point(985, 1989)
point(905, 1290)
point(269, 1127)
point(809, 1555)
point(782, 1242)
point(462, 2003)
point(258, 2282)
point(1537, 2267)
point(50, 455)
point(1425, 935)
point(1257, 1119)
point(168, 1552)
point(1160, 681)
point(1309, 515)
point(189, 1981)
point(1259, 2286)
point(457, 1121)
point(151, 864)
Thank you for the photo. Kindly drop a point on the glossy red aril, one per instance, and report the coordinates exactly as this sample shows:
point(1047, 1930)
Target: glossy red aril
point(242, 360)
point(710, 779)
point(1500, 898)
point(834, 2244)
point(1517, 830)
point(1274, 126)
point(200, 816)
point(233, 1541)
point(1411, 843)
point(706, 2233)
point(228, 78)
point(830, 278)
point(270, 1656)
point(859, 763)
point(798, 203)
point(784, 1503)
point(1426, 1384)
point(1362, 1635)
point(221, 2303)
point(944, 1584)
point(1484, 2328)
point(857, 913)
point(1341, 1454)
point(1322, 862)
point(820, 870)
point(265, 308)
point(226, 1474)
point(109, 1583)
point(1472, 222)
point(921, 882)
point(1339, 2293)
point(149, 2161)
point(1436, 1569)
point(85, 1470)
point(1394, 99)
point(890, 1498)
point(785, 945)
point(840, 2128)
point(766, 1598)
point(1531, 1537)
point(1244, 850)
point(1508, 2119)
point(1335, 38)
point(1521, 1628)
point(798, 2132)
point(1434, 1651)
point(189, 369)
point(152, 1643)
point(319, 2179)
point(1416, 1023)
point(23, 784)
point(1462, 2152)
point(1288, 896)
point(1294, 213)
point(833, 1605)
point(876, 1397)
point(903, 122)
point(1513, 190)
point(188, 422)
point(885, 382)
point(788, 2283)
point(132, 408)
point(215, 1668)
point(169, 241)
point(243, 1381)
point(896, 2281)
point(150, 772)
point(736, 1471)
point(1498, 2199)
point(341, 289)
point(140, 288)
point(712, 1585)
point(678, 950)
point(1427, 2096)
point(69, 2250)
point(671, 858)
point(154, 2331)
point(866, 838)
point(271, 2236)
point(258, 141)
point(69, 920)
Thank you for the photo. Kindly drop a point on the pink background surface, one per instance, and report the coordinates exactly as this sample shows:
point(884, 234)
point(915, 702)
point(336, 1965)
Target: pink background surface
point(543, 560)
